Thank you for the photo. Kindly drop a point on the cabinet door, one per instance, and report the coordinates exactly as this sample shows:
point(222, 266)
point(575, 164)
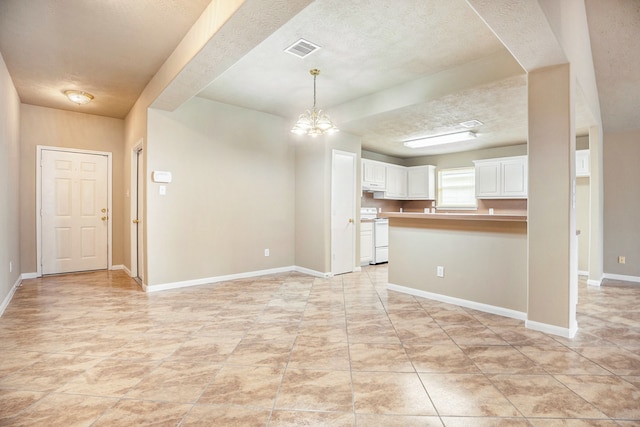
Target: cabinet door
point(488, 179)
point(366, 242)
point(514, 177)
point(396, 182)
point(421, 183)
point(373, 174)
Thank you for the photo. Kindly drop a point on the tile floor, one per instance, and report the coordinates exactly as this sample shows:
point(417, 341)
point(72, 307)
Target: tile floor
point(288, 350)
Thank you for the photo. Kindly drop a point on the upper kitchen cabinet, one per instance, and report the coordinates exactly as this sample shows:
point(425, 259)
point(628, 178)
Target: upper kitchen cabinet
point(503, 178)
point(396, 182)
point(421, 182)
point(583, 167)
point(374, 175)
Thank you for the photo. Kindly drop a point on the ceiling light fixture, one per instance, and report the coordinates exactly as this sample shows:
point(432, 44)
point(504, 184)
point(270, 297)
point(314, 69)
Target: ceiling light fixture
point(430, 141)
point(79, 97)
point(314, 122)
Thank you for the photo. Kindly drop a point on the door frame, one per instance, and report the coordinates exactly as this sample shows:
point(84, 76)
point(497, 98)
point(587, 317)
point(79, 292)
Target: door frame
point(39, 149)
point(133, 208)
point(334, 152)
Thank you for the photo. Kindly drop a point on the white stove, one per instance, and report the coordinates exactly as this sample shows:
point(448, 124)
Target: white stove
point(380, 235)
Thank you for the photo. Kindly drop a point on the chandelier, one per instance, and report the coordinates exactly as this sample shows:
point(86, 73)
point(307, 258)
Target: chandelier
point(314, 122)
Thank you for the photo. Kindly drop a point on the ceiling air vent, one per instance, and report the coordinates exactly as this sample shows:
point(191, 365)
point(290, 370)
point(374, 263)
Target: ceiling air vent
point(471, 123)
point(302, 48)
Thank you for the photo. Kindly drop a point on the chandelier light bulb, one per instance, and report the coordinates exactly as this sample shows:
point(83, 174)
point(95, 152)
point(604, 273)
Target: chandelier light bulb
point(314, 122)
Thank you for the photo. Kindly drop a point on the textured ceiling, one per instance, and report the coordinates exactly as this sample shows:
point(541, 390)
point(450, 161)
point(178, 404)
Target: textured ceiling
point(614, 27)
point(108, 48)
point(390, 71)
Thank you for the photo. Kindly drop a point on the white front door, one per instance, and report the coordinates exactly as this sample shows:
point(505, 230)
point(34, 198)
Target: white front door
point(74, 211)
point(343, 212)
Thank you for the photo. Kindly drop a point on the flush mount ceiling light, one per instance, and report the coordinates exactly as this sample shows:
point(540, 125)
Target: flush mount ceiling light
point(314, 122)
point(79, 97)
point(430, 141)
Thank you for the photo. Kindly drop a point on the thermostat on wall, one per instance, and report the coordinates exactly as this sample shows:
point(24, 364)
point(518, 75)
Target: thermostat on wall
point(161, 176)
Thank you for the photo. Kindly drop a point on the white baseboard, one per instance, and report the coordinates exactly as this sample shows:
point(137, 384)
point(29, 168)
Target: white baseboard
point(487, 308)
point(583, 273)
point(552, 329)
point(117, 267)
point(311, 272)
point(622, 277)
point(7, 299)
point(123, 268)
point(25, 276)
point(216, 279)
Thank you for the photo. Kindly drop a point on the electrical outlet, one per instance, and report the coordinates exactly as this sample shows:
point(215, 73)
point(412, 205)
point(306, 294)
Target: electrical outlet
point(10, 267)
point(266, 252)
point(440, 271)
point(621, 260)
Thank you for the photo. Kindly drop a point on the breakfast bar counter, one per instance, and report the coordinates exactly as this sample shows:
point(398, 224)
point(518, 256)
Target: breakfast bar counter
point(473, 260)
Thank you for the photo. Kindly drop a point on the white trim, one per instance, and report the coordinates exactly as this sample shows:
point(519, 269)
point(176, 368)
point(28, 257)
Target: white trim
point(357, 269)
point(312, 272)
point(7, 299)
point(125, 269)
point(552, 329)
point(25, 276)
point(117, 267)
point(595, 282)
point(210, 280)
point(621, 277)
point(133, 211)
point(492, 309)
point(583, 273)
point(109, 155)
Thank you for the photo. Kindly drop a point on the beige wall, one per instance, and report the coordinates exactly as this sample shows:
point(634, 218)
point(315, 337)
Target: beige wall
point(313, 197)
point(232, 194)
point(59, 128)
point(9, 183)
point(622, 202)
point(552, 264)
point(583, 211)
point(492, 268)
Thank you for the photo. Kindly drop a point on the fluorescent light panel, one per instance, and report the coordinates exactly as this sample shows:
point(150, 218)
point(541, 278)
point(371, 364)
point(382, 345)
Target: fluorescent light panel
point(448, 138)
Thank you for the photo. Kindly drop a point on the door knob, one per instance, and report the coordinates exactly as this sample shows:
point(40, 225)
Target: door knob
point(103, 210)
point(351, 220)
point(104, 218)
point(136, 221)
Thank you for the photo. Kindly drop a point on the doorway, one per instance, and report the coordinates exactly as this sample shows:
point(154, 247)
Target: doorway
point(137, 214)
point(343, 212)
point(74, 205)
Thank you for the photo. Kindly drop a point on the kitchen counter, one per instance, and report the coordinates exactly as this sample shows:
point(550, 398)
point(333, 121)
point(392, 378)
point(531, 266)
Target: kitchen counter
point(454, 216)
point(474, 260)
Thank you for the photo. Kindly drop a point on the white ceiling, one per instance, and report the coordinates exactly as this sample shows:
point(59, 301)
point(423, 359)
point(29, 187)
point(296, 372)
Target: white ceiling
point(390, 71)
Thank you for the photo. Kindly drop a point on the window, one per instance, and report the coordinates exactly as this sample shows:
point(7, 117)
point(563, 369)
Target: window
point(457, 188)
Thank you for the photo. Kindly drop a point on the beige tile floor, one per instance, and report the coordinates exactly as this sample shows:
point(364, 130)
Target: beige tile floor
point(288, 350)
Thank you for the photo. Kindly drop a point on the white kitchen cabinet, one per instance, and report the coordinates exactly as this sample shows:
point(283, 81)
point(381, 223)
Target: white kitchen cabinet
point(366, 242)
point(396, 184)
point(583, 163)
point(503, 178)
point(421, 182)
point(374, 175)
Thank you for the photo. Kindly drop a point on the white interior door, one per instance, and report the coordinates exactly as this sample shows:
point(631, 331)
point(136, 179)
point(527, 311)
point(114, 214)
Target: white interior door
point(343, 212)
point(74, 211)
point(139, 216)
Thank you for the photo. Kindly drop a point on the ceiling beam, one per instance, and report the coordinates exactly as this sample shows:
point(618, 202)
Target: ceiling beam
point(228, 39)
